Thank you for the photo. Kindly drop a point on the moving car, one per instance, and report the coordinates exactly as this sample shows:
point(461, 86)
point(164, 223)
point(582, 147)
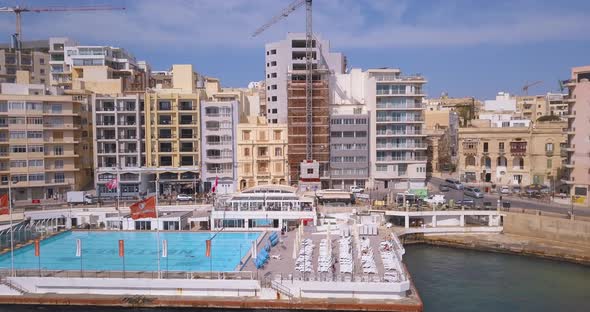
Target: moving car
point(184, 197)
point(453, 183)
point(473, 192)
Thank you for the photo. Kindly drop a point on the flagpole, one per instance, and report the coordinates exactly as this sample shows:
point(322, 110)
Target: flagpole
point(158, 228)
point(11, 229)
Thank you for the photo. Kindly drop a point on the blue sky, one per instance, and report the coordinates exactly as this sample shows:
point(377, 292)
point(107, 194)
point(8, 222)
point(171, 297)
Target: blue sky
point(466, 48)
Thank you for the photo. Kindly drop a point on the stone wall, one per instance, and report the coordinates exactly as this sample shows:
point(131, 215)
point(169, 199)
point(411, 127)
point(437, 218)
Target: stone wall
point(552, 228)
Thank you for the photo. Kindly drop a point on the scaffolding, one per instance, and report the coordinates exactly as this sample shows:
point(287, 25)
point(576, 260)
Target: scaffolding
point(297, 120)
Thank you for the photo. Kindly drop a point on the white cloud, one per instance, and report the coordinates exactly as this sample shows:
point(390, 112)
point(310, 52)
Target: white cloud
point(209, 24)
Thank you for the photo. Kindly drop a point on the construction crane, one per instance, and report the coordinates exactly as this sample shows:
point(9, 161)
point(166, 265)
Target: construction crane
point(308, 62)
point(18, 10)
point(526, 87)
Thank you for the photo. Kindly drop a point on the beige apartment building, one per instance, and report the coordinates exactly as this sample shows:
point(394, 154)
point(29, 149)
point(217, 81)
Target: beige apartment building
point(532, 106)
point(578, 134)
point(39, 133)
point(512, 155)
point(262, 153)
point(172, 132)
point(441, 127)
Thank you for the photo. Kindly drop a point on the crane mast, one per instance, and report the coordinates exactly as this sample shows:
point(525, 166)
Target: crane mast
point(309, 80)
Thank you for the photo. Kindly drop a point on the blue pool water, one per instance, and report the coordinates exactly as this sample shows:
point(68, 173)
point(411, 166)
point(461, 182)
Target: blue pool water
point(100, 251)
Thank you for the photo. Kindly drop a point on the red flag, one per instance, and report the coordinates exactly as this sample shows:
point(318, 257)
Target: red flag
point(214, 188)
point(121, 248)
point(112, 184)
point(4, 205)
point(37, 248)
point(144, 209)
point(208, 248)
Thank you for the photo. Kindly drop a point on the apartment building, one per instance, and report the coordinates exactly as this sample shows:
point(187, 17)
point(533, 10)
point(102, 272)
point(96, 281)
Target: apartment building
point(100, 69)
point(398, 159)
point(349, 149)
point(219, 123)
point(119, 131)
point(532, 106)
point(262, 153)
point(288, 55)
point(441, 127)
point(557, 104)
point(39, 131)
point(32, 57)
point(509, 154)
point(172, 128)
point(578, 129)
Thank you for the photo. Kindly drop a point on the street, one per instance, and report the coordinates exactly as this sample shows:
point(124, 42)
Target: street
point(514, 200)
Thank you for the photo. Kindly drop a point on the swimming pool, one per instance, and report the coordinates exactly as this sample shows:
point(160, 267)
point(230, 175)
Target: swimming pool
point(100, 251)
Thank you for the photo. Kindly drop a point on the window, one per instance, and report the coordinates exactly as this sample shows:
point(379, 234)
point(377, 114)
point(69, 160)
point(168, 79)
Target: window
point(37, 177)
point(361, 134)
point(36, 163)
point(273, 51)
point(274, 111)
point(18, 134)
point(273, 75)
point(59, 163)
point(549, 163)
point(35, 120)
point(501, 146)
point(277, 135)
point(247, 152)
point(18, 149)
point(16, 121)
point(381, 168)
point(273, 63)
point(273, 87)
point(309, 170)
point(55, 108)
point(549, 147)
point(35, 148)
point(59, 177)
point(18, 163)
point(16, 106)
point(278, 151)
point(42, 61)
point(58, 150)
point(35, 134)
point(245, 135)
point(273, 98)
point(485, 147)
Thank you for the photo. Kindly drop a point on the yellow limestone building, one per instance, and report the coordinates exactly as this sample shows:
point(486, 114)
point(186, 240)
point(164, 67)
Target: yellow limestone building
point(172, 121)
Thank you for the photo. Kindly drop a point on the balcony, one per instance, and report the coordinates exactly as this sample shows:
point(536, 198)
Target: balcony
point(518, 148)
point(403, 106)
point(403, 146)
point(105, 123)
point(469, 150)
point(105, 137)
point(188, 122)
point(405, 120)
point(408, 158)
point(189, 150)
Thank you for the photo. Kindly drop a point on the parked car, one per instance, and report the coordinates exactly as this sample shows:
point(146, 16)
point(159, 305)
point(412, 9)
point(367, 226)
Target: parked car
point(505, 190)
point(356, 189)
point(443, 188)
point(456, 184)
point(436, 199)
point(473, 192)
point(184, 197)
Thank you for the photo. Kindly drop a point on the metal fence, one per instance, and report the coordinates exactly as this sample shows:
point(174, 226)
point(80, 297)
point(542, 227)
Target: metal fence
point(232, 275)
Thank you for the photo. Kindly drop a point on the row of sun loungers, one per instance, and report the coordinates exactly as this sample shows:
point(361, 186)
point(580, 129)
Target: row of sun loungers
point(325, 261)
point(367, 258)
point(390, 263)
point(303, 262)
point(346, 261)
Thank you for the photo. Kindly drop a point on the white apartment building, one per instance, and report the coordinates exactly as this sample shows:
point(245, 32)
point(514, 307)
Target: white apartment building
point(503, 102)
point(287, 55)
point(219, 124)
point(557, 104)
point(398, 146)
point(119, 137)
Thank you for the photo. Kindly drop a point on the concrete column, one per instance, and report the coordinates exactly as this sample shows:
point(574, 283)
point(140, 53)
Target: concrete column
point(434, 221)
point(407, 222)
point(462, 220)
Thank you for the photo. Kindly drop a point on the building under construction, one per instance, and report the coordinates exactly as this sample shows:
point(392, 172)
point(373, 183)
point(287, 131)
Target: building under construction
point(297, 122)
